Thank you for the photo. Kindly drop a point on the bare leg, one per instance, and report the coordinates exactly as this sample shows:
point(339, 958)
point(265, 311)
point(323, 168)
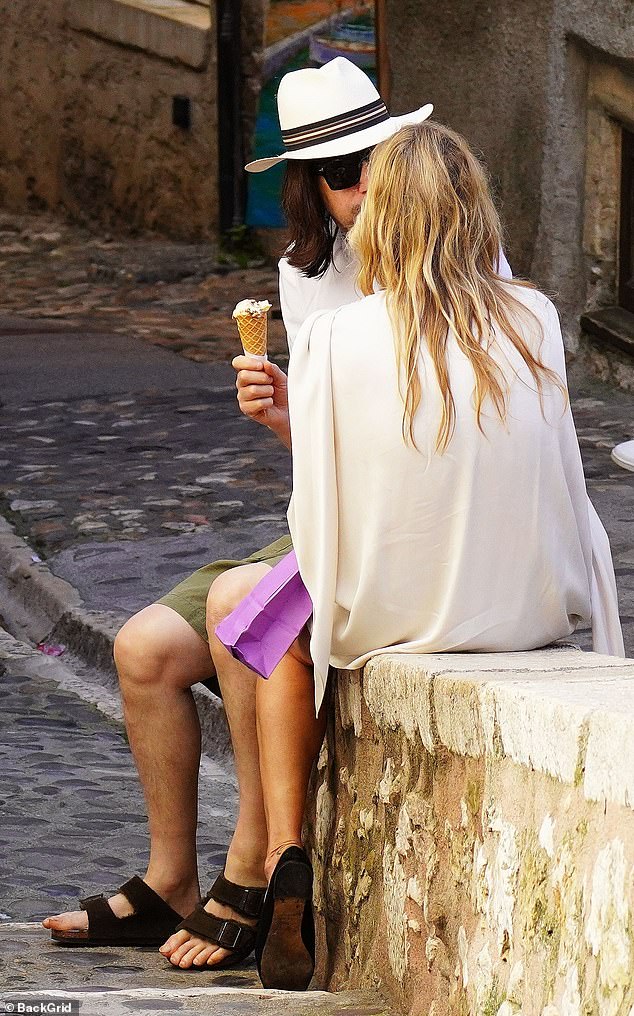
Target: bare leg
point(290, 736)
point(245, 858)
point(159, 656)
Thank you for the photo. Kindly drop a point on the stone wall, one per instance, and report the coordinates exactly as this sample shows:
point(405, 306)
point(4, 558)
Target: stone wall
point(517, 85)
point(473, 834)
point(87, 92)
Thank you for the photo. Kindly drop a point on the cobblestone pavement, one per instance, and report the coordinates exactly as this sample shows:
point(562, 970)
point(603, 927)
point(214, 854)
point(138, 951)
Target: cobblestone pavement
point(72, 822)
point(155, 464)
point(125, 496)
point(174, 295)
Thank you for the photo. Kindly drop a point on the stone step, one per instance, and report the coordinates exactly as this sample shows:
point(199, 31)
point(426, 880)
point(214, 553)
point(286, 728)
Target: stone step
point(110, 982)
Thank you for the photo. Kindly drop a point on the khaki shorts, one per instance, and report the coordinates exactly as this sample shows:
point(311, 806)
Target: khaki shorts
point(189, 597)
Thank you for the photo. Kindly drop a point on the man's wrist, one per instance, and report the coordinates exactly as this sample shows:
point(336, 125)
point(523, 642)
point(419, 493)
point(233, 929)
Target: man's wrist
point(282, 430)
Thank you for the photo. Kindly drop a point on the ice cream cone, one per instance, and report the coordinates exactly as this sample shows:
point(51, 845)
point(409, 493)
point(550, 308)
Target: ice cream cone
point(252, 321)
point(253, 333)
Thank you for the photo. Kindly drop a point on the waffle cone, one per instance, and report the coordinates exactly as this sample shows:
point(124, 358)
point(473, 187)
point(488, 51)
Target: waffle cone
point(253, 330)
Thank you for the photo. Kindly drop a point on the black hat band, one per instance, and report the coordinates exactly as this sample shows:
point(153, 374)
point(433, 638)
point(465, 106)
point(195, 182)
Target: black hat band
point(336, 126)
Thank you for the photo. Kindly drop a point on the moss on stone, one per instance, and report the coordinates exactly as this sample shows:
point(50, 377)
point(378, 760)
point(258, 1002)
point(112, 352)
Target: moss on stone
point(473, 797)
point(580, 768)
point(493, 999)
point(540, 920)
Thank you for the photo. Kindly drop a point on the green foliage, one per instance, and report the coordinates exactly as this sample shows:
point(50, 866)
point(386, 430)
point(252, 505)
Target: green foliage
point(241, 248)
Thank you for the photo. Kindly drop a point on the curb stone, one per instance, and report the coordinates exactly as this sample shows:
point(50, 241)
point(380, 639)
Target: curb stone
point(36, 604)
point(33, 598)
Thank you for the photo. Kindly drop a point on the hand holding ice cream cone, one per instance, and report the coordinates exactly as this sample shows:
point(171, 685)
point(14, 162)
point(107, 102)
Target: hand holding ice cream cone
point(262, 390)
point(252, 321)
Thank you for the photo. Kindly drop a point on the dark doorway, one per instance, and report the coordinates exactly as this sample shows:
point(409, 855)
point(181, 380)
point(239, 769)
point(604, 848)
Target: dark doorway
point(626, 245)
point(230, 155)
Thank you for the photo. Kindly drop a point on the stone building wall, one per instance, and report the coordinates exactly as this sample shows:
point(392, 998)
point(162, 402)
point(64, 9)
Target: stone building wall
point(87, 94)
point(515, 80)
point(472, 834)
point(31, 48)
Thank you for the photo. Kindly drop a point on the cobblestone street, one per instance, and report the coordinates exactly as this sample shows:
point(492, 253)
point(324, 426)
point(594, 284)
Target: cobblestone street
point(152, 451)
point(177, 296)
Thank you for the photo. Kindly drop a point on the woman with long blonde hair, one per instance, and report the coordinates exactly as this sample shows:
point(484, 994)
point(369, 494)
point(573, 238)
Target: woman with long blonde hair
point(439, 501)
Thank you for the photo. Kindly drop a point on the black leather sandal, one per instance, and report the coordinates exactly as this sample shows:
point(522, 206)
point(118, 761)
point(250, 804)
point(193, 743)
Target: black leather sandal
point(285, 944)
point(229, 934)
point(152, 922)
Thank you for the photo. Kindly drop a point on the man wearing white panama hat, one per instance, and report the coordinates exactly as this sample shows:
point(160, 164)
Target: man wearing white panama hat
point(330, 119)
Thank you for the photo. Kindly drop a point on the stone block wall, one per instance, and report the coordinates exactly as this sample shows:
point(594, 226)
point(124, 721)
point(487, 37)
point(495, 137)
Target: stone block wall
point(473, 834)
point(86, 94)
point(517, 82)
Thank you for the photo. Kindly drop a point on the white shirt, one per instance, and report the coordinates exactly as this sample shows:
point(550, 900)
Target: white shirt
point(491, 546)
point(301, 296)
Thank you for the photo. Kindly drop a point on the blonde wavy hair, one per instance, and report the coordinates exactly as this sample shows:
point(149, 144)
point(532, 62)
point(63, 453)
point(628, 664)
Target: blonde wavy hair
point(429, 235)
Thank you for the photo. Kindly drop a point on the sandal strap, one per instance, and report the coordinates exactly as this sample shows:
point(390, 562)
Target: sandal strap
point(145, 900)
point(226, 933)
point(246, 900)
point(101, 920)
point(89, 899)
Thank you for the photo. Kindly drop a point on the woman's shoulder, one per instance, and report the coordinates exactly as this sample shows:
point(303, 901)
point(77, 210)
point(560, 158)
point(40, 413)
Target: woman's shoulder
point(531, 297)
point(367, 307)
point(539, 325)
point(324, 328)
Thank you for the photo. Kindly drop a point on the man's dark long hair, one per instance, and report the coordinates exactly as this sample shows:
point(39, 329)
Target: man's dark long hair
point(312, 231)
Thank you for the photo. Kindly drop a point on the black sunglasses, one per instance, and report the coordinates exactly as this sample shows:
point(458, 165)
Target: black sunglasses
point(342, 171)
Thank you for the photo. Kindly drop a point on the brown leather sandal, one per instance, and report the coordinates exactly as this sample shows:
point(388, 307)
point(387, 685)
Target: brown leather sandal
point(152, 922)
point(229, 934)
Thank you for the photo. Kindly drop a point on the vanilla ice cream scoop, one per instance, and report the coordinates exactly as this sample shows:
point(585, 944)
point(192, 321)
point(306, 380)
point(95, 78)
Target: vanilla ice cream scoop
point(251, 307)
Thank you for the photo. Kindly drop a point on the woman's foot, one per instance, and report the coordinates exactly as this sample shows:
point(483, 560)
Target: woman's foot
point(274, 855)
point(185, 949)
point(285, 945)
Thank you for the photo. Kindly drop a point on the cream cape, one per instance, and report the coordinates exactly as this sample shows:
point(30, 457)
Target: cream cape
point(491, 546)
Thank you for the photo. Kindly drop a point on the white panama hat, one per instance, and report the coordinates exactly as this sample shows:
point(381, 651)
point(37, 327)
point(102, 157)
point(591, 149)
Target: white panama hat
point(332, 110)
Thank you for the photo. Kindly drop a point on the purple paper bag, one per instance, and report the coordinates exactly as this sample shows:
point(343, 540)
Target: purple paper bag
point(263, 626)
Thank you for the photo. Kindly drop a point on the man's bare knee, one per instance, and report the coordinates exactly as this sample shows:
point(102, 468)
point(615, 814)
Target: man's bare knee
point(157, 646)
point(230, 588)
